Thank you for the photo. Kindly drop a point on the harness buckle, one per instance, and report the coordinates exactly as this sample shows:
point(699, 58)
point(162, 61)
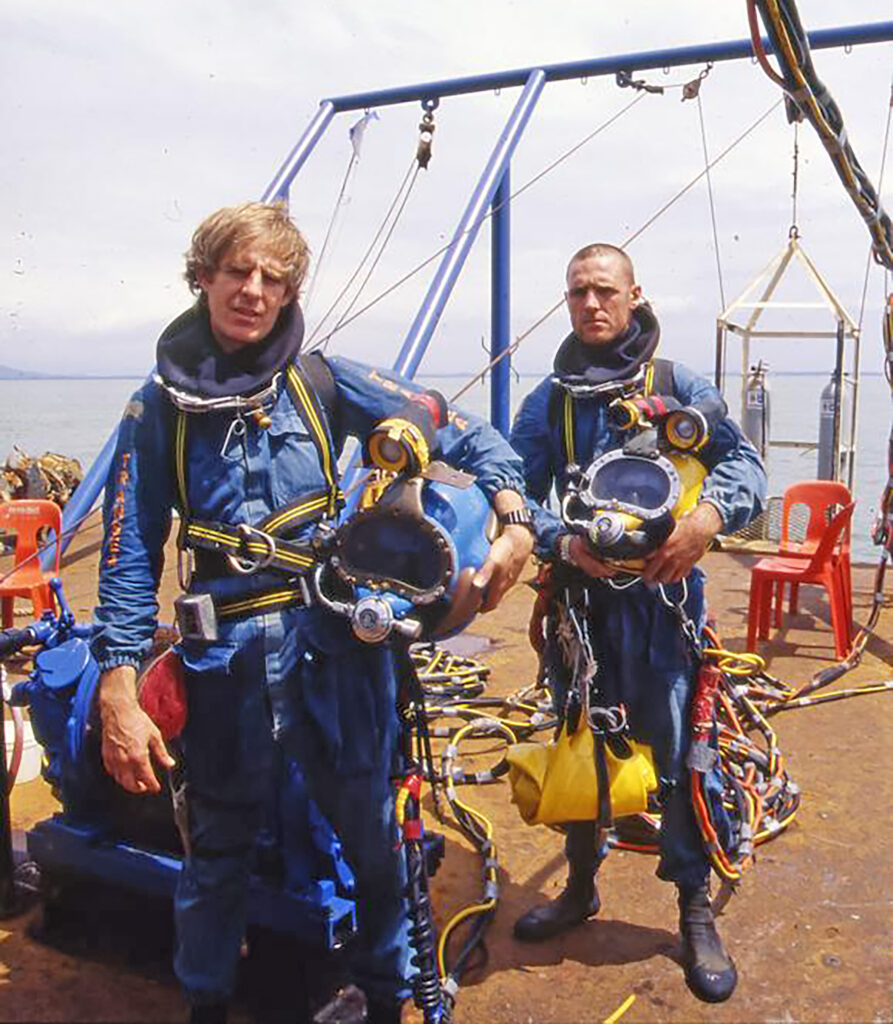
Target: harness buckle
point(247, 566)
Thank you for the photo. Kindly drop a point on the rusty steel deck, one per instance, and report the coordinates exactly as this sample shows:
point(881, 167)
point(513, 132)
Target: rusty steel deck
point(810, 928)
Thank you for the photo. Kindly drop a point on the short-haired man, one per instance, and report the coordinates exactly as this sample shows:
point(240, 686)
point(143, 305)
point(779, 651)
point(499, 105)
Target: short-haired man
point(280, 674)
point(643, 662)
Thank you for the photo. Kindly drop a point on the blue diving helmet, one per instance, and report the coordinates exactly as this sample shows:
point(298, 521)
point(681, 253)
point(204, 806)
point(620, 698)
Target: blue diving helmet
point(407, 559)
point(404, 561)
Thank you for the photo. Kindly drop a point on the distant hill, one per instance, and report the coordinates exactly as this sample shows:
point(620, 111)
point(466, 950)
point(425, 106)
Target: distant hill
point(11, 373)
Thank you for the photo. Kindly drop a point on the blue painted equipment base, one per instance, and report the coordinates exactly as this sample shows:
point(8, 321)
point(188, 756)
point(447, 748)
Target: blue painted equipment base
point(315, 915)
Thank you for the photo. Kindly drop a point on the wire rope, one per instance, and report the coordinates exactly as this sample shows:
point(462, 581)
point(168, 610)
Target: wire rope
point(795, 175)
point(722, 294)
point(342, 319)
point(351, 163)
point(511, 349)
point(489, 213)
point(369, 250)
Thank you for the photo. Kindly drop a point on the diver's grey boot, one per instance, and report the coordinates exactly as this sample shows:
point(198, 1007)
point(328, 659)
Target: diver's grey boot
point(579, 899)
point(709, 970)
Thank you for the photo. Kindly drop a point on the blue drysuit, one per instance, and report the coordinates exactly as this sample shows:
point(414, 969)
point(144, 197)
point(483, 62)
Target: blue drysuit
point(294, 680)
point(643, 660)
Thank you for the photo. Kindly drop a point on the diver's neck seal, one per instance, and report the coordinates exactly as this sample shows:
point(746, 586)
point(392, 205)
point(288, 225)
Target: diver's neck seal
point(200, 377)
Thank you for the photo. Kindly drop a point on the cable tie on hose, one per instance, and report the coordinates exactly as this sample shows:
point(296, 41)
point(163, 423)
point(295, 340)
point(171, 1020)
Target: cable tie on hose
point(701, 757)
point(450, 986)
point(491, 891)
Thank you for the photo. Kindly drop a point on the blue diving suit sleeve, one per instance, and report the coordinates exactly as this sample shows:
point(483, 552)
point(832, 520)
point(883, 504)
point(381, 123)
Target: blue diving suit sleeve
point(136, 520)
point(736, 480)
point(531, 439)
point(367, 395)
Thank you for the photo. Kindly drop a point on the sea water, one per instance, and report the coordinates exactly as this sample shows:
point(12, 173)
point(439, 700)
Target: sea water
point(75, 417)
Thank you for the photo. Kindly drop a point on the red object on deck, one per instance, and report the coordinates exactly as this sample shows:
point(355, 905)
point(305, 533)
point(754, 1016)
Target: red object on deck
point(822, 567)
point(26, 517)
point(822, 498)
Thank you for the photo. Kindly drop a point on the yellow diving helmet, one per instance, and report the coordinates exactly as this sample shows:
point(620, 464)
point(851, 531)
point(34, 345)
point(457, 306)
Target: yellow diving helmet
point(629, 500)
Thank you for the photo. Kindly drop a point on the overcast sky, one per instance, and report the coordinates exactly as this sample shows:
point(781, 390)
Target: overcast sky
point(125, 123)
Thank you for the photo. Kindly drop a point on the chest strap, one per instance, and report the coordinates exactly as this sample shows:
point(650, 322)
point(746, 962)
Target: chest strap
point(250, 547)
point(658, 380)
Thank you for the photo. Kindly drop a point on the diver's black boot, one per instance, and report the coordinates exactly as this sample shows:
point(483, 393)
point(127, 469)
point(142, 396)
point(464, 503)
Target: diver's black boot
point(709, 970)
point(385, 1011)
point(207, 1013)
point(579, 899)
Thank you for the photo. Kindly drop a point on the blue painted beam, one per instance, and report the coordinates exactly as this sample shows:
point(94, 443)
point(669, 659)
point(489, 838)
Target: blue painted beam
point(500, 305)
point(736, 49)
point(281, 183)
point(467, 229)
point(83, 499)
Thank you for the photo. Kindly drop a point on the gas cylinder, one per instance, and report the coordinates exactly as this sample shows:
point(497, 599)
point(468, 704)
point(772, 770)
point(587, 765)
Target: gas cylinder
point(755, 411)
point(826, 468)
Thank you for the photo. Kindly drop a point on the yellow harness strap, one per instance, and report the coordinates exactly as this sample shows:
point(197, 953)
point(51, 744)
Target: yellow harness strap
point(568, 417)
point(227, 539)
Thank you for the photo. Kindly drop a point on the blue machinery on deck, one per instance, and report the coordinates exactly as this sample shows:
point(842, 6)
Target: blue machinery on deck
point(300, 882)
point(491, 190)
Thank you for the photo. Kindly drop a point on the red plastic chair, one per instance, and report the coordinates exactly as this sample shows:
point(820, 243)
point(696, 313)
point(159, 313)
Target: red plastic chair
point(821, 567)
point(822, 498)
point(26, 518)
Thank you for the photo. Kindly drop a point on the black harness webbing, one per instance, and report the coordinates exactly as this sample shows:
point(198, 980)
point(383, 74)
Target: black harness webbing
point(257, 604)
point(658, 381)
point(311, 388)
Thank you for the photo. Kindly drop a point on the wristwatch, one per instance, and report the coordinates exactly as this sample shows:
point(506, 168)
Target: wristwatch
point(517, 517)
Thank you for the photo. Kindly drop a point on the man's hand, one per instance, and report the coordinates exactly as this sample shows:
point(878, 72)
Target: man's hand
point(579, 554)
point(508, 556)
point(685, 546)
point(130, 739)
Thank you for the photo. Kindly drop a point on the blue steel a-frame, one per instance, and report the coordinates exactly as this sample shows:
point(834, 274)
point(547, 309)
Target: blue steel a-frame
point(491, 191)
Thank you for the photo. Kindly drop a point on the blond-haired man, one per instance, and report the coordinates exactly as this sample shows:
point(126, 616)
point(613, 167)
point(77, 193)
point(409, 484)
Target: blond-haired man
point(280, 676)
